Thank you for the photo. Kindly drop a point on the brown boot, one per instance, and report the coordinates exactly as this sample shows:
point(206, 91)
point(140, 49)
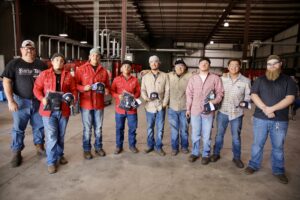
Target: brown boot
point(17, 159)
point(100, 152)
point(52, 169)
point(87, 155)
point(40, 150)
point(63, 160)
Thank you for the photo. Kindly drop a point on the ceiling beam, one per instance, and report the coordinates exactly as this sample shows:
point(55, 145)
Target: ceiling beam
point(142, 17)
point(221, 20)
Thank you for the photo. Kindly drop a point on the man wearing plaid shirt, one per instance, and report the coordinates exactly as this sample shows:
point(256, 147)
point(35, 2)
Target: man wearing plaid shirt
point(236, 98)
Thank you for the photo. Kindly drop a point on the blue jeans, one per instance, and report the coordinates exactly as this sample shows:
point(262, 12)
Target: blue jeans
point(92, 118)
point(201, 126)
point(179, 126)
point(157, 119)
point(55, 128)
point(27, 111)
point(132, 122)
point(277, 131)
point(235, 127)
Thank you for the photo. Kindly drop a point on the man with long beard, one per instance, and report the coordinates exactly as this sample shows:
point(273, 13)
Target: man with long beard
point(272, 95)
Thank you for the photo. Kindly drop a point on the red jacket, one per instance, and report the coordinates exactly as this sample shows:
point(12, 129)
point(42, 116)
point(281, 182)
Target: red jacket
point(85, 75)
point(46, 81)
point(119, 85)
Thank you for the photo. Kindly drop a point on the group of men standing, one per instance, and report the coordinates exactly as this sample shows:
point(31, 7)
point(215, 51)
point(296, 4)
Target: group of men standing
point(190, 98)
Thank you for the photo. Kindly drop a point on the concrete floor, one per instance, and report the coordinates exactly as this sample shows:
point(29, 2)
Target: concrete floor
point(140, 176)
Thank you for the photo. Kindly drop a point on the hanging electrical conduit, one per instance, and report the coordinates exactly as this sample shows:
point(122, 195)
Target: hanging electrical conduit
point(66, 41)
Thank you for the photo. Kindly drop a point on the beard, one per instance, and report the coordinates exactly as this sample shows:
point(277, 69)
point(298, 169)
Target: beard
point(273, 75)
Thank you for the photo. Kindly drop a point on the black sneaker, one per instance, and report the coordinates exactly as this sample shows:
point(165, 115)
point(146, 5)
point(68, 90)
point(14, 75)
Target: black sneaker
point(193, 158)
point(215, 158)
point(205, 160)
point(282, 178)
point(249, 171)
point(238, 163)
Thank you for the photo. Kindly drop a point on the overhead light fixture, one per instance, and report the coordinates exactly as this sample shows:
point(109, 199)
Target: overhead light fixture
point(211, 42)
point(83, 42)
point(226, 24)
point(63, 35)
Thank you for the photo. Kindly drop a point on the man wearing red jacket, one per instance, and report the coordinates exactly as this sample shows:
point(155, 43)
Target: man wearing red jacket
point(125, 89)
point(55, 80)
point(92, 83)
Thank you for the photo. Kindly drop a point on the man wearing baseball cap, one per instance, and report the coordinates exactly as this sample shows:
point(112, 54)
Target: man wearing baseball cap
point(272, 94)
point(123, 85)
point(155, 91)
point(92, 101)
point(177, 107)
point(18, 79)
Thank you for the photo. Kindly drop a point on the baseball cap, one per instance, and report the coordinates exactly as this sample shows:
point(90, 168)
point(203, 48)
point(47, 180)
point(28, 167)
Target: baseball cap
point(179, 61)
point(276, 57)
point(58, 55)
point(154, 58)
point(94, 51)
point(27, 43)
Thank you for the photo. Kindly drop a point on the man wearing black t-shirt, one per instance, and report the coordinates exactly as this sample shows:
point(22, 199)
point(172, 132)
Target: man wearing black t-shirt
point(272, 95)
point(18, 80)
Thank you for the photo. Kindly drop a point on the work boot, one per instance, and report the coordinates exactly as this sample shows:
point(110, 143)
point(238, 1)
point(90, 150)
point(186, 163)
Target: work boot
point(87, 155)
point(193, 158)
point(174, 152)
point(17, 159)
point(40, 150)
point(118, 150)
point(238, 163)
point(205, 160)
point(52, 169)
point(63, 161)
point(249, 171)
point(148, 150)
point(100, 152)
point(133, 149)
point(215, 158)
point(185, 150)
point(282, 178)
point(161, 152)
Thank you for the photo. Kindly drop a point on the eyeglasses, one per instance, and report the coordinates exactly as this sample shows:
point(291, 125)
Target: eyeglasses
point(29, 48)
point(272, 64)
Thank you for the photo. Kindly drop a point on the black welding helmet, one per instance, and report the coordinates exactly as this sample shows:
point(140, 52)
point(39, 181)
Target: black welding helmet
point(98, 87)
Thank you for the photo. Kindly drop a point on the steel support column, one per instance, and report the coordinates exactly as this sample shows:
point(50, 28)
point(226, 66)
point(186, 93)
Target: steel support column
point(295, 64)
point(124, 29)
point(246, 30)
point(96, 23)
